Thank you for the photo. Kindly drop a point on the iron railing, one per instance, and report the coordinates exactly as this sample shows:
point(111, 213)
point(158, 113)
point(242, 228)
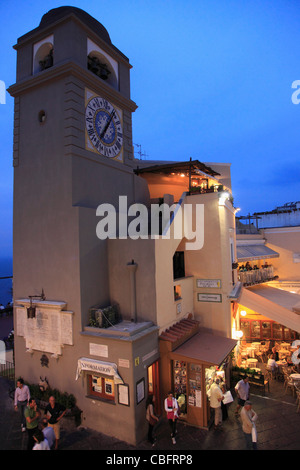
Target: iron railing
point(7, 370)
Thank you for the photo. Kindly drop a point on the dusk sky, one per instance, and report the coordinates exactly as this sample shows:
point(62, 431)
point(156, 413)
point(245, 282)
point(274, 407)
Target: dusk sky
point(212, 80)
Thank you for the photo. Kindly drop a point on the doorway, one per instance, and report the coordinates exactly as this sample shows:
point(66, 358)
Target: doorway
point(153, 385)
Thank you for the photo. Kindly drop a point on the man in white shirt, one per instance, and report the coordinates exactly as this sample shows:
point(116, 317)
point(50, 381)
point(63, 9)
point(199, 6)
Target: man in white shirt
point(216, 396)
point(22, 396)
point(242, 390)
point(249, 417)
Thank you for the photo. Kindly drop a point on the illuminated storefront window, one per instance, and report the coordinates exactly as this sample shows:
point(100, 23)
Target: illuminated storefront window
point(101, 387)
point(264, 330)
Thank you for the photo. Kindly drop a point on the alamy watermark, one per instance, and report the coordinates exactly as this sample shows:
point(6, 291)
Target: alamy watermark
point(2, 92)
point(296, 94)
point(137, 221)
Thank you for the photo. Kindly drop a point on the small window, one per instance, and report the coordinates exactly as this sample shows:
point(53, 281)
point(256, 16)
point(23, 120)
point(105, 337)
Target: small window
point(101, 387)
point(42, 117)
point(177, 292)
point(178, 265)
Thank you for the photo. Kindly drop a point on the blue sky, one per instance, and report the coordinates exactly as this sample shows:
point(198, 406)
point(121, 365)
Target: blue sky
point(212, 80)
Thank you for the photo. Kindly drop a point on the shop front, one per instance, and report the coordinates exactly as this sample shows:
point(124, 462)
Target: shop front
point(267, 313)
point(188, 369)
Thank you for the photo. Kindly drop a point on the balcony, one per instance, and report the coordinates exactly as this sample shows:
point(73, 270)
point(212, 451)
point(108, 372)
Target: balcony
point(256, 276)
point(204, 189)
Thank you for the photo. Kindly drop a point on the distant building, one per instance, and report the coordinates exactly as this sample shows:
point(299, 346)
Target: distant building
point(287, 215)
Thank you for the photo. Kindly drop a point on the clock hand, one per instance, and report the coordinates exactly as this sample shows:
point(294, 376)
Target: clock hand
point(107, 125)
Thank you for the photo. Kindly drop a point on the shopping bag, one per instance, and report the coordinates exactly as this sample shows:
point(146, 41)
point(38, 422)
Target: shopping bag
point(227, 398)
point(254, 433)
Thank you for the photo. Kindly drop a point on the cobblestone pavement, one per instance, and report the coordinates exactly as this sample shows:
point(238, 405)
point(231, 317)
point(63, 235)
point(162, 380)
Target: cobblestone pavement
point(278, 428)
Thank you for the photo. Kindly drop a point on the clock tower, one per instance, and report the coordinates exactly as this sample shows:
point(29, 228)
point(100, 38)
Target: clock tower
point(72, 152)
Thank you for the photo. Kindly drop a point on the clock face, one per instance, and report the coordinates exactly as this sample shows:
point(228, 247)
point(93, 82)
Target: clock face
point(104, 128)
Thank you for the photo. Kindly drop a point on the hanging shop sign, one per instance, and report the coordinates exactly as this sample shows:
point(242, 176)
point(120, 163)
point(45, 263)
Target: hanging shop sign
point(98, 367)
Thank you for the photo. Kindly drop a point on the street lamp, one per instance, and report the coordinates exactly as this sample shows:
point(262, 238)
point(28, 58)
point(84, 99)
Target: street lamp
point(31, 309)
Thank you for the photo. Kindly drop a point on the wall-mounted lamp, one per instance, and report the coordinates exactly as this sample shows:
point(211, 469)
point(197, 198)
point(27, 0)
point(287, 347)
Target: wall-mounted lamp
point(224, 196)
point(243, 313)
point(31, 309)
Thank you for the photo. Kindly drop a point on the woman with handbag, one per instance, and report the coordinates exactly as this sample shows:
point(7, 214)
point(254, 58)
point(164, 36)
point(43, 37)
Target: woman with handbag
point(151, 418)
point(172, 409)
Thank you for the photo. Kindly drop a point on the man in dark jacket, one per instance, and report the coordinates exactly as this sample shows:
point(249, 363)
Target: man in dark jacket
point(55, 412)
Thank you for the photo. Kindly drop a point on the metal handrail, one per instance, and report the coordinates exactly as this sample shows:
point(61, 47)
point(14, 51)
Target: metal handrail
point(7, 370)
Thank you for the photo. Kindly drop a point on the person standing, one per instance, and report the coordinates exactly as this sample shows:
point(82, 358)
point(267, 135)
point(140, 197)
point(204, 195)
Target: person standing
point(272, 366)
point(151, 418)
point(22, 396)
point(223, 405)
point(171, 407)
point(32, 415)
point(248, 417)
point(242, 389)
point(41, 442)
point(216, 397)
point(55, 411)
point(48, 432)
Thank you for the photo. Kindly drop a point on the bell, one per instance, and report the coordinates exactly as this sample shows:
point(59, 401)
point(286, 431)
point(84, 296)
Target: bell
point(104, 72)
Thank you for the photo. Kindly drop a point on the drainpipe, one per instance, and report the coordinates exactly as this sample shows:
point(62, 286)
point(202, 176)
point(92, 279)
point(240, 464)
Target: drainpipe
point(132, 269)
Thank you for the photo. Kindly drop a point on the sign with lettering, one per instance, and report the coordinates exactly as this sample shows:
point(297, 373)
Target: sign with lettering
point(209, 298)
point(99, 367)
point(49, 330)
point(212, 283)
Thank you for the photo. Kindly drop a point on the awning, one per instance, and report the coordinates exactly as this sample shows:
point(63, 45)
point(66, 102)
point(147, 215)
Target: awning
point(276, 304)
point(99, 367)
point(254, 252)
point(193, 166)
point(205, 347)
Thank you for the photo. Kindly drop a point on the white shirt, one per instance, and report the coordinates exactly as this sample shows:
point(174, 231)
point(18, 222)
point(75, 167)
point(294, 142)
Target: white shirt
point(243, 389)
point(22, 394)
point(42, 445)
point(169, 411)
point(272, 363)
point(215, 395)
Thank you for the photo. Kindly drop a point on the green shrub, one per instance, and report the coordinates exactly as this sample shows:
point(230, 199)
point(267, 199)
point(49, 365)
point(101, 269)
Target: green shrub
point(63, 398)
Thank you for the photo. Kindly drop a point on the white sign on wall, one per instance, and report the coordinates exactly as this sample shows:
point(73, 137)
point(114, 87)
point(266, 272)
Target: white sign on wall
point(211, 283)
point(49, 330)
point(98, 350)
point(209, 298)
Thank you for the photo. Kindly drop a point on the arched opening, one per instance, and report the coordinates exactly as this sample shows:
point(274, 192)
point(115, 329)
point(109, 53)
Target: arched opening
point(100, 66)
point(43, 58)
